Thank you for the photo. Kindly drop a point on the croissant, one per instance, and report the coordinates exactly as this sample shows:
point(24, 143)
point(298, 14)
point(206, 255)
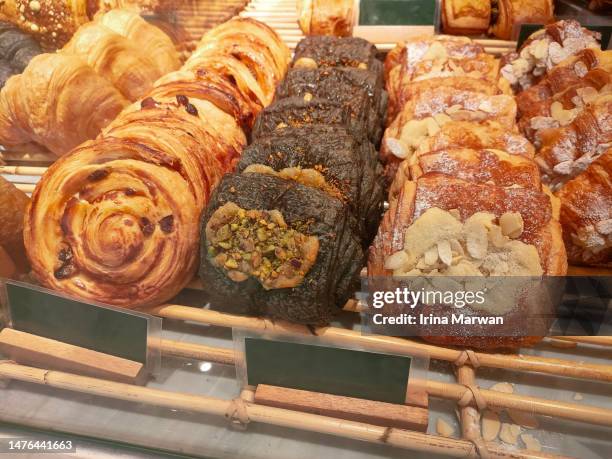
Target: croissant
point(13, 203)
point(16, 50)
point(250, 51)
point(586, 214)
point(439, 203)
point(513, 13)
point(567, 151)
point(401, 62)
point(561, 95)
point(153, 41)
point(544, 49)
point(59, 102)
point(114, 57)
point(326, 17)
point(424, 114)
point(462, 138)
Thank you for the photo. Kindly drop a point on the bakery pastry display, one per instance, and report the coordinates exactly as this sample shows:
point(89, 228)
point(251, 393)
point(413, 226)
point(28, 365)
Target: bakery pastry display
point(544, 49)
point(53, 22)
point(326, 17)
point(116, 219)
point(16, 51)
point(284, 236)
point(512, 13)
point(65, 98)
point(471, 17)
point(586, 214)
point(13, 203)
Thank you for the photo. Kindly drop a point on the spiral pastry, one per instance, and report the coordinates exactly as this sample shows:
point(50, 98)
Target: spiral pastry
point(116, 220)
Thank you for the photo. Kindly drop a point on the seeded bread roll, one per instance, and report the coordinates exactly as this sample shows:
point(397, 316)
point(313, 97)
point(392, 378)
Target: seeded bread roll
point(277, 248)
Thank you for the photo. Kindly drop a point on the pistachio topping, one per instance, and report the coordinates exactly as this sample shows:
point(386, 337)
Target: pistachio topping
point(259, 243)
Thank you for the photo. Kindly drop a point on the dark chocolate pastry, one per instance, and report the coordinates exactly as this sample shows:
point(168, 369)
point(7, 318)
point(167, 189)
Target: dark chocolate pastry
point(277, 248)
point(359, 90)
point(327, 51)
point(328, 158)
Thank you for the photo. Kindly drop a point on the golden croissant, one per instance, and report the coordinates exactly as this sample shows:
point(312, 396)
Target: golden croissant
point(58, 101)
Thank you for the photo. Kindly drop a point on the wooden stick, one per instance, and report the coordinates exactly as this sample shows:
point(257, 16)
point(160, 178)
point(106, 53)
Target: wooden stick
point(257, 413)
point(23, 170)
point(449, 391)
point(197, 352)
point(25, 187)
point(341, 336)
point(470, 416)
point(596, 340)
point(583, 413)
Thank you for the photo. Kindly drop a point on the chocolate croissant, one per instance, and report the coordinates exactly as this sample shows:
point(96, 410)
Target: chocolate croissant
point(586, 214)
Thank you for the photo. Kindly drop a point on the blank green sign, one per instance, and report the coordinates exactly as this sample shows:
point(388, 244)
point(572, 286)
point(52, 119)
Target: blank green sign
point(113, 332)
point(351, 373)
point(397, 12)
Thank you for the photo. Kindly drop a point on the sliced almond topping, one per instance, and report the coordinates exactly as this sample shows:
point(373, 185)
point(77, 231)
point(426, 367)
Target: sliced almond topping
point(490, 425)
point(431, 256)
point(531, 443)
point(511, 224)
point(477, 242)
point(504, 387)
point(396, 148)
point(442, 118)
point(444, 428)
point(453, 109)
point(445, 252)
point(456, 247)
point(509, 433)
point(524, 419)
point(399, 260)
point(455, 213)
point(496, 237)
